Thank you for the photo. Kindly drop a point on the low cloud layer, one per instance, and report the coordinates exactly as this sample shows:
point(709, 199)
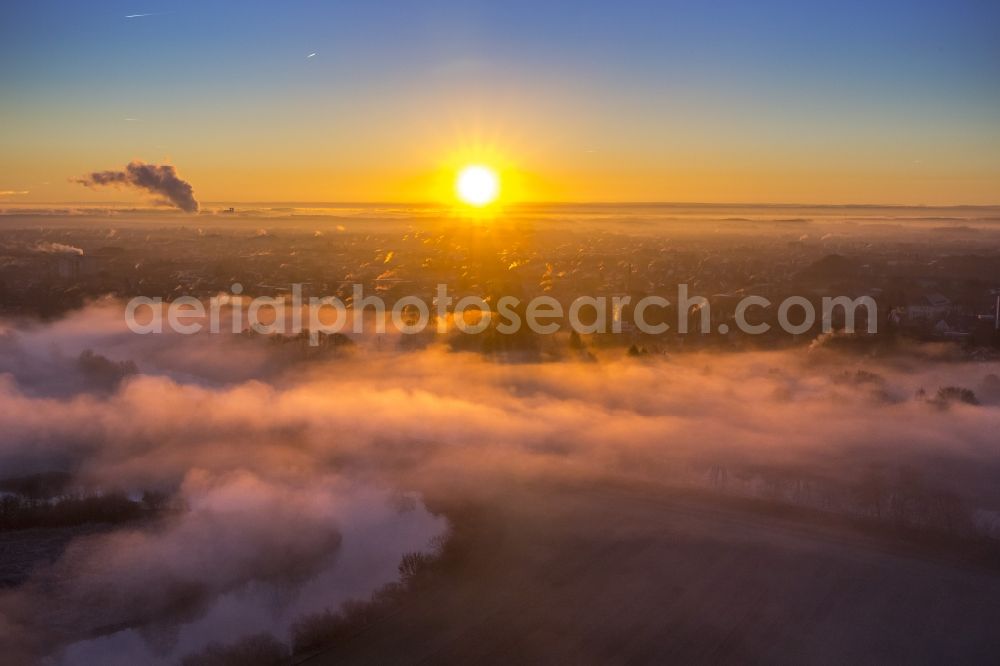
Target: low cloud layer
point(248, 553)
point(158, 179)
point(234, 435)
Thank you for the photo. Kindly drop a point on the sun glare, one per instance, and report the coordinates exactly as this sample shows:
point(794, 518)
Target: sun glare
point(477, 185)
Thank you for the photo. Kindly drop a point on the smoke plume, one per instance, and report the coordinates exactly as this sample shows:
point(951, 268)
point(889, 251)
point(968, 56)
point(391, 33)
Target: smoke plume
point(159, 179)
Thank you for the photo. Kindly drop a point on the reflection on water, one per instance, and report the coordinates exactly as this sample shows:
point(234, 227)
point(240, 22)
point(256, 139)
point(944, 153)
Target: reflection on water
point(376, 529)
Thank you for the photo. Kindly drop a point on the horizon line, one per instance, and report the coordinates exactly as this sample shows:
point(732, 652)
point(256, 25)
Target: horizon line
point(431, 204)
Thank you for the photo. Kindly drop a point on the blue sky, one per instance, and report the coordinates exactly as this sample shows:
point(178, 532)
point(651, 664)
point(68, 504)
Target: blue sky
point(651, 85)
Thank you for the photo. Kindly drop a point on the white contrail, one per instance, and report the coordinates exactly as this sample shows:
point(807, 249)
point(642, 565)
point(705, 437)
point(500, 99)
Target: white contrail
point(141, 15)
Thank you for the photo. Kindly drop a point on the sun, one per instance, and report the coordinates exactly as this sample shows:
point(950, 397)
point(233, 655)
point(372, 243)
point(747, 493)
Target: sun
point(477, 185)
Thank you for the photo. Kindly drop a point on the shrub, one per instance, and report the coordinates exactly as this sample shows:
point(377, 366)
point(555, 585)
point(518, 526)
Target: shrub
point(951, 394)
point(412, 564)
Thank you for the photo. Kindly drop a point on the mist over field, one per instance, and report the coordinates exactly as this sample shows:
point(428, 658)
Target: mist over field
point(249, 497)
point(549, 332)
point(285, 482)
